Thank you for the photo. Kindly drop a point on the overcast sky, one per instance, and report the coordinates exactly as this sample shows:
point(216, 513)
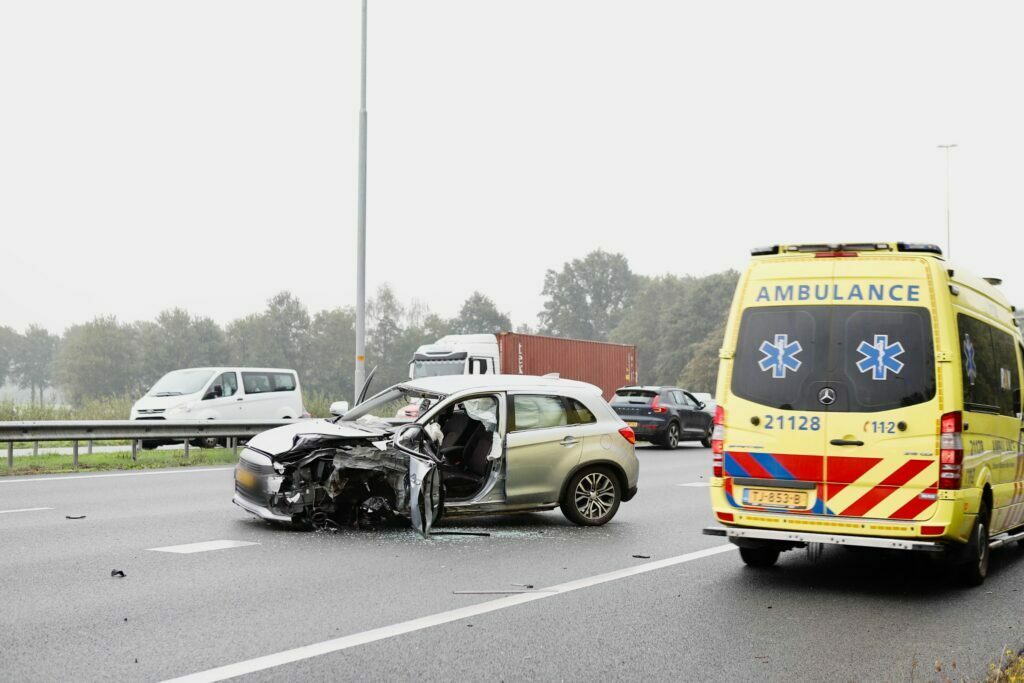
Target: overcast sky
point(203, 154)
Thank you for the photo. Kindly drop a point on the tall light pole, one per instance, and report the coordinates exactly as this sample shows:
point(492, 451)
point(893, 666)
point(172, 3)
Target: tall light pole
point(949, 246)
point(360, 373)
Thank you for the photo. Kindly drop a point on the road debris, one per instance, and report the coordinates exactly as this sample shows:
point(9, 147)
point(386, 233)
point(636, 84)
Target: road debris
point(642, 557)
point(523, 585)
point(118, 574)
point(459, 533)
point(74, 516)
point(501, 592)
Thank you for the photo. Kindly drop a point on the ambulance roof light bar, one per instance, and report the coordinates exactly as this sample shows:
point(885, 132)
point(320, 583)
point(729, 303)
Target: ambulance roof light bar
point(847, 248)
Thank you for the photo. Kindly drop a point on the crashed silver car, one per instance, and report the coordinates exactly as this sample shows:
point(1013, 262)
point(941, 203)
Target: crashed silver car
point(480, 444)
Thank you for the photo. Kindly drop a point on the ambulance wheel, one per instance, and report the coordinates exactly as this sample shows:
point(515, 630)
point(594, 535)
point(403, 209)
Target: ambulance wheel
point(765, 556)
point(975, 567)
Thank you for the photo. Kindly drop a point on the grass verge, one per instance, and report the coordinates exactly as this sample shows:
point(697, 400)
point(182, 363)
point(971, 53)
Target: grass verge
point(1010, 668)
point(54, 464)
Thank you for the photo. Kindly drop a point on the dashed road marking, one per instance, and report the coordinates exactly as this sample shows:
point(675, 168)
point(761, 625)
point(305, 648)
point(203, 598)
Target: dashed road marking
point(204, 546)
point(4, 512)
point(328, 646)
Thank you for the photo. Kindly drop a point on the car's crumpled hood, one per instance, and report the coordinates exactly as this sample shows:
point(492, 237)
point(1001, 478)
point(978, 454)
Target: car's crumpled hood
point(281, 439)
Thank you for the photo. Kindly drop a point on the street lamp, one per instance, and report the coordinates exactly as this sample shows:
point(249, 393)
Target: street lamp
point(949, 248)
point(360, 370)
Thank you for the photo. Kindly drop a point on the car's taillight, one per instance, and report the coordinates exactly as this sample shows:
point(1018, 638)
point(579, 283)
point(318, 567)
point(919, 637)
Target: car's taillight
point(628, 435)
point(717, 441)
point(951, 450)
point(656, 405)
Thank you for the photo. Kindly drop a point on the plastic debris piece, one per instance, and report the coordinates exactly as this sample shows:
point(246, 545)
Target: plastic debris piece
point(505, 592)
point(117, 573)
point(523, 585)
point(459, 533)
point(74, 516)
point(642, 557)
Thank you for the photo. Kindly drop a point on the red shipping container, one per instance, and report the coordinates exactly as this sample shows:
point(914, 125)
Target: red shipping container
point(606, 365)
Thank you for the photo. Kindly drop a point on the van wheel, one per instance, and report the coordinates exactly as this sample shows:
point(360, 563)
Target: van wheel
point(592, 497)
point(765, 556)
point(671, 439)
point(705, 440)
point(975, 567)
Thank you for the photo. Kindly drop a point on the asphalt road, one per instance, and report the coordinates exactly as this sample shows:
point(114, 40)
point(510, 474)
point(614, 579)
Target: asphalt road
point(680, 615)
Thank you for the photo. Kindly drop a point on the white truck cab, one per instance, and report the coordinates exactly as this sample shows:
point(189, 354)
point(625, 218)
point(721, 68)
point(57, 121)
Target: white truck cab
point(457, 354)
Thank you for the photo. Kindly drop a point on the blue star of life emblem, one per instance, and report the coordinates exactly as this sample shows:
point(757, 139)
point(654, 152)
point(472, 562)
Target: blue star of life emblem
point(880, 358)
point(969, 360)
point(780, 356)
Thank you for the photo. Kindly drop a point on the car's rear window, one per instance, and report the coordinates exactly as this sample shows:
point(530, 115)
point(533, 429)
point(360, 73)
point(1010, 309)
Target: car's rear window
point(636, 397)
point(874, 358)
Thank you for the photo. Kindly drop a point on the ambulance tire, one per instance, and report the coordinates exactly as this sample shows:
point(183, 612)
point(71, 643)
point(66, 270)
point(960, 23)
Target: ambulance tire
point(975, 567)
point(765, 556)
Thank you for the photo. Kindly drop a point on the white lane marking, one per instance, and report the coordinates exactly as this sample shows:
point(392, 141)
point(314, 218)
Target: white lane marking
point(15, 479)
point(309, 651)
point(203, 547)
point(4, 512)
point(696, 484)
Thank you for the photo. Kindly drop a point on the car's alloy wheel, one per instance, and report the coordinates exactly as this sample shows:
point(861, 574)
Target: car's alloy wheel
point(672, 436)
point(592, 497)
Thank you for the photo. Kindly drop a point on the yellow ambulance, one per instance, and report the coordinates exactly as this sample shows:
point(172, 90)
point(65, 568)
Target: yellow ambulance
point(868, 395)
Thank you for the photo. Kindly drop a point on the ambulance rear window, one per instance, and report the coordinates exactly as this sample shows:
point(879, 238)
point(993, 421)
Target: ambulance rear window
point(872, 358)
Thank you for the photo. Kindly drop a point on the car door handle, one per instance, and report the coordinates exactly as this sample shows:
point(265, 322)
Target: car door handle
point(846, 442)
point(569, 441)
point(239, 398)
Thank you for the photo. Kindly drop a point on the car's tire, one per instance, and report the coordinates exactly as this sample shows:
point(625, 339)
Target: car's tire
point(705, 440)
point(765, 556)
point(671, 438)
point(975, 566)
point(592, 497)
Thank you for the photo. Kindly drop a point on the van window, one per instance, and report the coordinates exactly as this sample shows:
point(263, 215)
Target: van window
point(988, 367)
point(264, 382)
point(875, 358)
point(227, 382)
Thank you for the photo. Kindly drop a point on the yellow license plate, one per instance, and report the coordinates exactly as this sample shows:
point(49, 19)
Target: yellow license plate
point(631, 424)
point(775, 498)
point(245, 478)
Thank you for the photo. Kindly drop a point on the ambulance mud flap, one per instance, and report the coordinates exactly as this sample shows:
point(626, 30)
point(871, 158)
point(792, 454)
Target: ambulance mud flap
point(796, 539)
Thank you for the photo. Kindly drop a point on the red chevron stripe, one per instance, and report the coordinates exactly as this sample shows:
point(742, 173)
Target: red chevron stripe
point(748, 463)
point(885, 488)
point(804, 467)
point(916, 505)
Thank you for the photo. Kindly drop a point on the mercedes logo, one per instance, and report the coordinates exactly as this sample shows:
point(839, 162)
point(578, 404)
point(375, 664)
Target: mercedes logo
point(827, 396)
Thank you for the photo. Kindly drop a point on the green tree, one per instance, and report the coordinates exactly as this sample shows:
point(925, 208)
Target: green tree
point(32, 362)
point(588, 297)
point(387, 340)
point(98, 359)
point(178, 340)
point(277, 337)
point(701, 371)
point(479, 315)
point(9, 340)
point(331, 355)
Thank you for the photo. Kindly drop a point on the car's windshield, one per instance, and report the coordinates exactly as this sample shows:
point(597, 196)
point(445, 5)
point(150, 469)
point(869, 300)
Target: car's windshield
point(181, 382)
point(386, 406)
point(433, 368)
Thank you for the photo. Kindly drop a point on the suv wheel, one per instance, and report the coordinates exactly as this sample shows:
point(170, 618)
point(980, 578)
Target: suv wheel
point(705, 440)
point(671, 439)
point(592, 497)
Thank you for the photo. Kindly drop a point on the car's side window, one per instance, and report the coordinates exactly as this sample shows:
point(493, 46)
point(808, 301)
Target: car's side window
point(537, 412)
point(579, 414)
point(679, 398)
point(256, 382)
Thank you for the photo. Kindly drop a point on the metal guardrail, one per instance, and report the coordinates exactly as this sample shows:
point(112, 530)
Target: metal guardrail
point(130, 430)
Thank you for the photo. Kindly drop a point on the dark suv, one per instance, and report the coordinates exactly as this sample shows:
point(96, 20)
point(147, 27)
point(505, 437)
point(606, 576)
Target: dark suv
point(663, 415)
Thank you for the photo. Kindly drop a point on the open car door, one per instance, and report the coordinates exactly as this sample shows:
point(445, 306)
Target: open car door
point(426, 486)
point(366, 387)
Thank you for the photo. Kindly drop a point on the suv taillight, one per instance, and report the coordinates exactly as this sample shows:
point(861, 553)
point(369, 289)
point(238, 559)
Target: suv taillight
point(951, 450)
point(656, 405)
point(717, 439)
point(628, 434)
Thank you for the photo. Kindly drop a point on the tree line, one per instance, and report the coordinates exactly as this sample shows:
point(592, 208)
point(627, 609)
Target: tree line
point(677, 323)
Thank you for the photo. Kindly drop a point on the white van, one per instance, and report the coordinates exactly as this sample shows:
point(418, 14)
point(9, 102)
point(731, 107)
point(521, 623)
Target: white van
point(223, 394)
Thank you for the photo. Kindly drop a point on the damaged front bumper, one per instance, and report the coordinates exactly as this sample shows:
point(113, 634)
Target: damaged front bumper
point(260, 511)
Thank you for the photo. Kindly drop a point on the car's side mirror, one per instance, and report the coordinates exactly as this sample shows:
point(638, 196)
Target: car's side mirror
point(700, 405)
point(215, 392)
point(339, 408)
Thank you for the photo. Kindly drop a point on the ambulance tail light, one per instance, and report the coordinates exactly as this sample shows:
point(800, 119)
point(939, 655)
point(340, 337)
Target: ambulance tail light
point(951, 450)
point(718, 441)
point(656, 405)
